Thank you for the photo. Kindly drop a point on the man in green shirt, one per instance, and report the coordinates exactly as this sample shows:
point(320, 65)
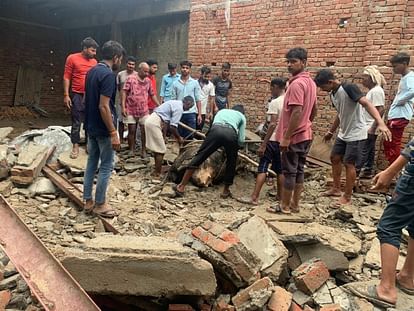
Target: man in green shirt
point(227, 131)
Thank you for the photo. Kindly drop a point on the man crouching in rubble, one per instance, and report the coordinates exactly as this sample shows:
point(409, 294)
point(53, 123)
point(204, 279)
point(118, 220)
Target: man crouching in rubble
point(168, 115)
point(398, 214)
point(100, 124)
point(227, 131)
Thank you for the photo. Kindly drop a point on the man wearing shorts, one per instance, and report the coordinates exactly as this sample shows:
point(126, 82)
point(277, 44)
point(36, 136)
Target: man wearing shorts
point(135, 93)
point(294, 132)
point(269, 150)
point(349, 102)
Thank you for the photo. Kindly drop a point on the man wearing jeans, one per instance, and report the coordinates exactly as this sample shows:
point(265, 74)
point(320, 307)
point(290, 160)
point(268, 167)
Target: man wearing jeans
point(401, 110)
point(294, 132)
point(100, 125)
point(76, 67)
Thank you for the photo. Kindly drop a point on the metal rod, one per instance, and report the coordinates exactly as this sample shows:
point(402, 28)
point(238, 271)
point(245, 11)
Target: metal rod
point(48, 280)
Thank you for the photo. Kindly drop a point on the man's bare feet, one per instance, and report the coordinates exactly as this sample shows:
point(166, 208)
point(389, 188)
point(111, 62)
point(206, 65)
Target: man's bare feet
point(343, 200)
point(294, 208)
point(75, 151)
point(331, 193)
point(104, 210)
point(387, 294)
point(405, 283)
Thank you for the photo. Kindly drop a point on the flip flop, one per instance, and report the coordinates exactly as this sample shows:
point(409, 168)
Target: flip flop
point(178, 193)
point(330, 194)
point(74, 154)
point(277, 209)
point(109, 213)
point(88, 208)
point(246, 200)
point(372, 296)
point(408, 291)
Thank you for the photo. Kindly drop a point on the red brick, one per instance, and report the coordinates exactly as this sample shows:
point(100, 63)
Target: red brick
point(180, 307)
point(223, 306)
point(311, 275)
point(229, 236)
point(205, 307)
point(332, 307)
point(295, 307)
point(280, 300)
point(244, 295)
point(307, 308)
point(5, 297)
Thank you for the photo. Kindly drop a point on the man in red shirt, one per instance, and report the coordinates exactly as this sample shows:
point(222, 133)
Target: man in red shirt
point(135, 94)
point(153, 68)
point(76, 67)
point(294, 132)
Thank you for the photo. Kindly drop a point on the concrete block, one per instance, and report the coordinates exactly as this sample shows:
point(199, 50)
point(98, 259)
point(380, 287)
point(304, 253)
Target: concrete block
point(310, 276)
point(129, 265)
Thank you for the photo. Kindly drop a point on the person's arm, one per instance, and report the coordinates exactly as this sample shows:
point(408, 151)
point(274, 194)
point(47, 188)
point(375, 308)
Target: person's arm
point(197, 91)
point(242, 131)
point(123, 100)
point(228, 95)
point(409, 95)
point(152, 92)
point(66, 83)
point(177, 136)
point(314, 112)
point(274, 119)
point(155, 99)
point(106, 115)
point(383, 179)
point(332, 130)
point(369, 107)
point(210, 102)
point(162, 90)
point(373, 128)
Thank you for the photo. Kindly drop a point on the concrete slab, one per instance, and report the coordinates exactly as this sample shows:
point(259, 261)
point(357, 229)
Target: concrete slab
point(30, 153)
point(334, 259)
point(4, 132)
point(128, 265)
point(79, 163)
point(305, 215)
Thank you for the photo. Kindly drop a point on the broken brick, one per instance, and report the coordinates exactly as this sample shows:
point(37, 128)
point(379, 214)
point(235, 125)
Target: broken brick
point(311, 275)
point(307, 308)
point(210, 240)
point(5, 297)
point(263, 286)
point(223, 306)
point(280, 300)
point(180, 307)
point(331, 307)
point(295, 307)
point(229, 237)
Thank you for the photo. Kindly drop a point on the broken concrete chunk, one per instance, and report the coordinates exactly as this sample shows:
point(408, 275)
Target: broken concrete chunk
point(42, 185)
point(264, 243)
point(28, 154)
point(231, 220)
point(4, 132)
point(255, 296)
point(373, 257)
point(334, 259)
point(78, 164)
point(335, 238)
point(144, 267)
point(310, 276)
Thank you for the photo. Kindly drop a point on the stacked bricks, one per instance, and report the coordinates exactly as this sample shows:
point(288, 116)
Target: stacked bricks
point(310, 275)
point(226, 244)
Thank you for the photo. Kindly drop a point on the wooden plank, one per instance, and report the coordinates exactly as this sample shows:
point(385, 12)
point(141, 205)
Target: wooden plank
point(28, 86)
point(320, 150)
point(25, 175)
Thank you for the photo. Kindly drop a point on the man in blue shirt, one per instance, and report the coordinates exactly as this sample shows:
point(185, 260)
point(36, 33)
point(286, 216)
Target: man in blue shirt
point(401, 110)
point(398, 214)
point(167, 82)
point(187, 86)
point(227, 131)
point(100, 124)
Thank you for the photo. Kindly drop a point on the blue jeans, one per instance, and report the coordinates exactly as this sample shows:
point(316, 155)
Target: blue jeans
point(189, 119)
point(99, 148)
point(399, 213)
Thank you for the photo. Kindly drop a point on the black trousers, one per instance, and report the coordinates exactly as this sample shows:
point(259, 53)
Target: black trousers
point(219, 136)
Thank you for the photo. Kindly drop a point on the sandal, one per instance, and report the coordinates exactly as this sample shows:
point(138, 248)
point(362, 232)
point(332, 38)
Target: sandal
point(226, 195)
point(105, 212)
point(408, 291)
point(330, 193)
point(278, 209)
point(88, 208)
point(74, 154)
point(246, 200)
point(371, 295)
point(178, 193)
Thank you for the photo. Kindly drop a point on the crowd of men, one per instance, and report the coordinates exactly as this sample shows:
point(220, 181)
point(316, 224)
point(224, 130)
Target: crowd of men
point(287, 136)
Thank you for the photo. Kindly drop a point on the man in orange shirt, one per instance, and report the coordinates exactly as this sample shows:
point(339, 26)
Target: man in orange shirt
point(76, 67)
point(153, 65)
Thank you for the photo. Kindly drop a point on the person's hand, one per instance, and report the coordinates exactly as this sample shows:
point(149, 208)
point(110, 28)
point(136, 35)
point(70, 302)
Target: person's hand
point(67, 101)
point(208, 118)
point(382, 180)
point(116, 144)
point(384, 130)
point(124, 113)
point(199, 119)
point(261, 150)
point(284, 144)
point(327, 137)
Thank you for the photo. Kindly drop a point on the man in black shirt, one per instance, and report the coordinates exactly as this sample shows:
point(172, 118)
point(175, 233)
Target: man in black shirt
point(223, 86)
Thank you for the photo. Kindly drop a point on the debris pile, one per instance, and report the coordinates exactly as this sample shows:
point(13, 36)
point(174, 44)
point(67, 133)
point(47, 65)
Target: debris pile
point(197, 252)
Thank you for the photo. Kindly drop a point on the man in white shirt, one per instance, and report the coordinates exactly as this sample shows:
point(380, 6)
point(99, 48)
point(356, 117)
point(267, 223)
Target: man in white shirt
point(207, 95)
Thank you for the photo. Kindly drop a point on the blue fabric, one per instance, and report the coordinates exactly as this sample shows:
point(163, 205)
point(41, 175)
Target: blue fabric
point(166, 85)
point(408, 153)
point(271, 156)
point(402, 106)
point(399, 213)
point(190, 88)
point(170, 111)
point(189, 119)
point(100, 80)
point(99, 148)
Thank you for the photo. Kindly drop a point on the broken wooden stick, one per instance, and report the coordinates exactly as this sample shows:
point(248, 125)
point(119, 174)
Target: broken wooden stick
point(241, 155)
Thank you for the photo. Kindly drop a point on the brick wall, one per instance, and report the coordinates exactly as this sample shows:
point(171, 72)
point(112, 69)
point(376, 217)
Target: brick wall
point(262, 31)
point(38, 47)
